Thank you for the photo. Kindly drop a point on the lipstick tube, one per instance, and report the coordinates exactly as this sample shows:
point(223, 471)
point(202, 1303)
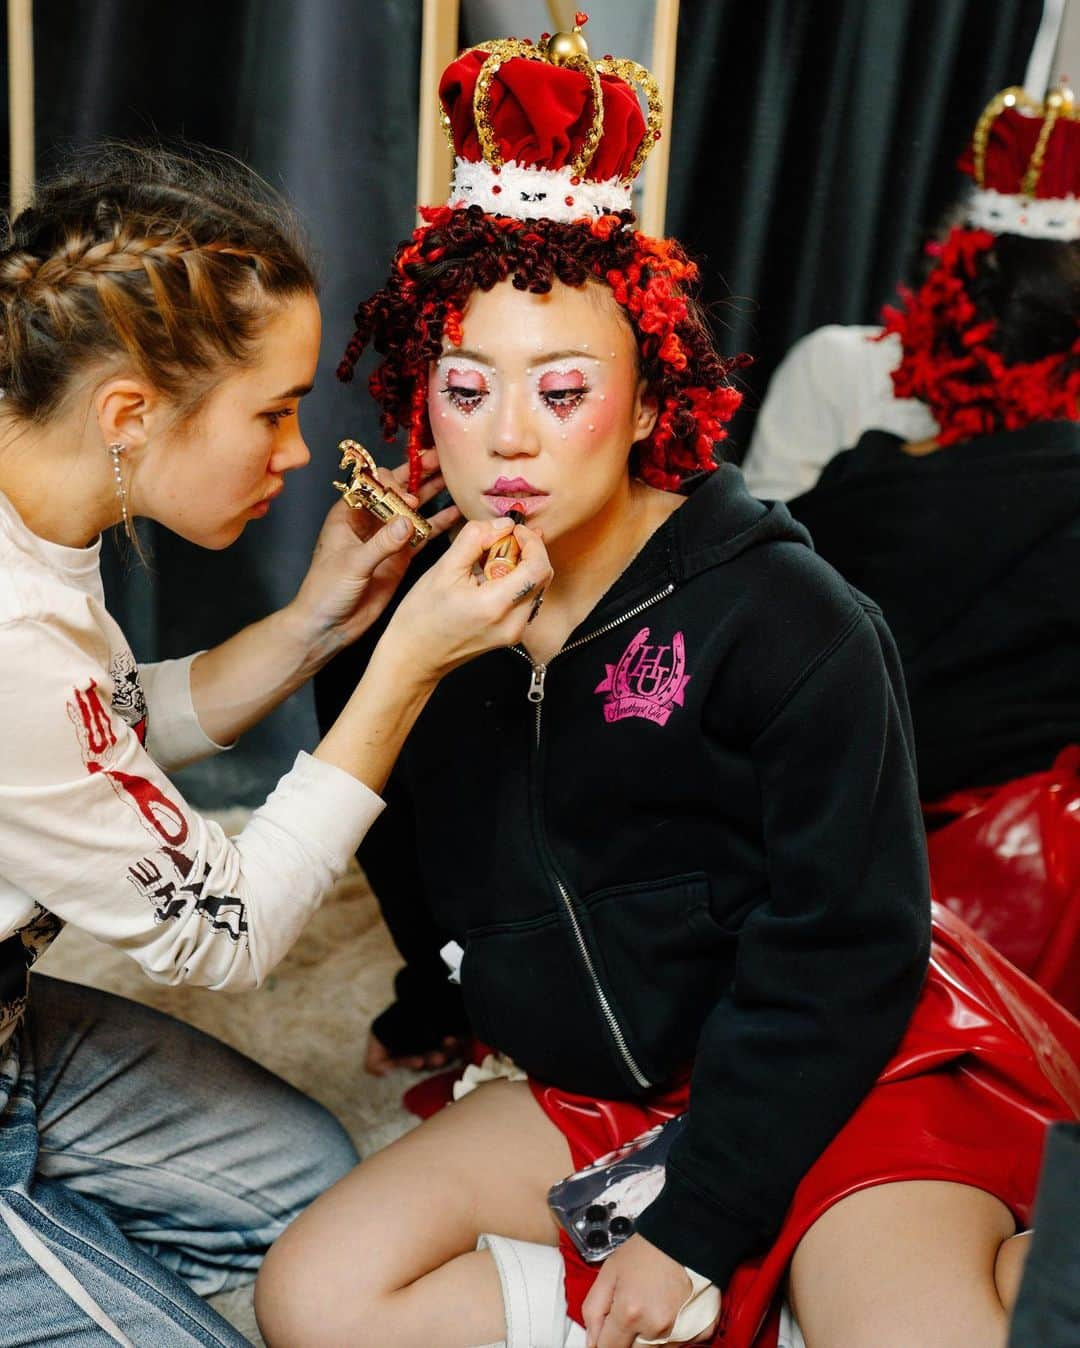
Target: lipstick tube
point(505, 555)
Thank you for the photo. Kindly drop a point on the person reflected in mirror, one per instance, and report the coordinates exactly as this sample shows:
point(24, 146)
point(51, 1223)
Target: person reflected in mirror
point(969, 536)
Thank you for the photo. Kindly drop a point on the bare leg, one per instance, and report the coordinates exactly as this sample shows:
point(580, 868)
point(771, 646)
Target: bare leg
point(387, 1256)
point(1009, 1268)
point(907, 1263)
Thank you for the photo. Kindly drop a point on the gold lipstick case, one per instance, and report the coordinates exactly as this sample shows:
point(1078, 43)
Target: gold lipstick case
point(365, 491)
point(502, 558)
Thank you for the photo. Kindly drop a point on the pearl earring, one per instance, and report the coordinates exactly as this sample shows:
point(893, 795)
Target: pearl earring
point(116, 450)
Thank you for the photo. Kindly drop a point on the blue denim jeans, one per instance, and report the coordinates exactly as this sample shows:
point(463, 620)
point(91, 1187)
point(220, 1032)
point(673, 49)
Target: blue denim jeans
point(143, 1166)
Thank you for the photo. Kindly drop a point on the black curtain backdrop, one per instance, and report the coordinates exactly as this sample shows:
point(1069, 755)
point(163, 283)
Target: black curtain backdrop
point(814, 150)
point(812, 146)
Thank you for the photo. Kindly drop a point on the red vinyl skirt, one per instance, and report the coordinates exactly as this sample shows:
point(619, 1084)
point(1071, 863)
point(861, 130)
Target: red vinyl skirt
point(1007, 860)
point(988, 1062)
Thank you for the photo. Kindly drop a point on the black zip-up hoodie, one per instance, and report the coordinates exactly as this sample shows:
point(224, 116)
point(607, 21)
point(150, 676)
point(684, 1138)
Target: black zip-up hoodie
point(694, 838)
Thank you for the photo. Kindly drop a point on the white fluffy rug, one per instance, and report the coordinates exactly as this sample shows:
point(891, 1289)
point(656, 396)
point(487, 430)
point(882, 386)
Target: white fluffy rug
point(308, 1023)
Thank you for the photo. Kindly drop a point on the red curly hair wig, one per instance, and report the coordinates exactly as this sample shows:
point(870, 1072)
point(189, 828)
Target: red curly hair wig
point(991, 340)
point(456, 252)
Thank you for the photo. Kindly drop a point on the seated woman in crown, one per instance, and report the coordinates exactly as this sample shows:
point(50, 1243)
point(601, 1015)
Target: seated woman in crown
point(968, 536)
point(670, 844)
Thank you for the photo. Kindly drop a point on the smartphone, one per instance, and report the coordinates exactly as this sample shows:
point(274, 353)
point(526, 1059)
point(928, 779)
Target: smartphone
point(598, 1206)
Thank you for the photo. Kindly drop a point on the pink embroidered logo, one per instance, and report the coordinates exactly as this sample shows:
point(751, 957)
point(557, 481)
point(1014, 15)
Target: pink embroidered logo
point(648, 681)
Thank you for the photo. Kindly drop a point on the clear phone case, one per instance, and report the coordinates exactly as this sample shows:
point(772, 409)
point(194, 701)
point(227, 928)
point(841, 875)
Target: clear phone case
point(598, 1207)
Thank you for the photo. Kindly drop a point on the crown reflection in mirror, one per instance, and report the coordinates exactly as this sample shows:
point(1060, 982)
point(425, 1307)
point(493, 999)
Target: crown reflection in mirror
point(364, 491)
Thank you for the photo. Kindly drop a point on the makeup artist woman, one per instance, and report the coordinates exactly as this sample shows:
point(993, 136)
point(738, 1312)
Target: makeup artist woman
point(158, 326)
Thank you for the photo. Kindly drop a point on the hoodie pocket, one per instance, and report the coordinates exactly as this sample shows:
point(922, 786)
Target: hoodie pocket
point(529, 995)
point(665, 963)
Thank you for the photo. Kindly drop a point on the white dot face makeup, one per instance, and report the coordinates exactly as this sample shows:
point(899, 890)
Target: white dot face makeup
point(524, 413)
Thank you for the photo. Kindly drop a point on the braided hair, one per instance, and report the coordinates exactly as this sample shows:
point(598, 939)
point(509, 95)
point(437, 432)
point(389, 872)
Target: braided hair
point(456, 252)
point(168, 262)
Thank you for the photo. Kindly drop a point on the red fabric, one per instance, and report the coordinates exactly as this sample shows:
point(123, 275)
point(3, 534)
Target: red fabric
point(1008, 861)
point(427, 1097)
point(988, 1061)
point(541, 114)
point(1010, 146)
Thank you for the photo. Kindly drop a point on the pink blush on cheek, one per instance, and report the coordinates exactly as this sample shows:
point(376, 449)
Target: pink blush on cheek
point(592, 431)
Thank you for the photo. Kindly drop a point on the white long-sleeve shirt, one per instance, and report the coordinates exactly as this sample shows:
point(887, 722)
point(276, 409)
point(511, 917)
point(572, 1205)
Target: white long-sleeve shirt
point(834, 383)
point(93, 832)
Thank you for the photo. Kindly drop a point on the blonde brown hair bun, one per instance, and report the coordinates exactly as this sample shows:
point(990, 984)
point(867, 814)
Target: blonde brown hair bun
point(169, 261)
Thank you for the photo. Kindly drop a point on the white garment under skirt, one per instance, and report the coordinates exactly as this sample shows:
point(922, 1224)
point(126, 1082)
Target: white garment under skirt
point(790, 1333)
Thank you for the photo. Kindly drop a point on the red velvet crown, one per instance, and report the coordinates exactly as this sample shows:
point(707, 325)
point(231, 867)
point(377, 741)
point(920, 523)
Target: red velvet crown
point(541, 130)
point(1025, 159)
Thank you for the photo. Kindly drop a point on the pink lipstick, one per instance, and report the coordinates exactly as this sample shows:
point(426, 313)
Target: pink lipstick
point(514, 493)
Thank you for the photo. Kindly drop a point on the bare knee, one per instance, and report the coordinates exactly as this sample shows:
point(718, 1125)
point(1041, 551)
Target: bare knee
point(328, 1279)
point(284, 1305)
point(279, 1307)
point(295, 1308)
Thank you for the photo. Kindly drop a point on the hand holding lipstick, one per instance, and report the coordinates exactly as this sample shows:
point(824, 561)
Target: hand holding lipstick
point(453, 612)
point(503, 557)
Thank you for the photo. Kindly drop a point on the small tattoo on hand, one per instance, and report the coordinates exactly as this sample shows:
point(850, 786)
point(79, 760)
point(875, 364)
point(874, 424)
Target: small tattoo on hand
point(525, 592)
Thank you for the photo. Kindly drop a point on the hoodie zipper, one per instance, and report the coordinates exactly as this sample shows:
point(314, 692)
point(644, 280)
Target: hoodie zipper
point(535, 692)
point(535, 695)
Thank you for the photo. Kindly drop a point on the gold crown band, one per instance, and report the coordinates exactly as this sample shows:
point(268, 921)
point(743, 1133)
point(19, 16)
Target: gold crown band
point(1059, 103)
point(632, 73)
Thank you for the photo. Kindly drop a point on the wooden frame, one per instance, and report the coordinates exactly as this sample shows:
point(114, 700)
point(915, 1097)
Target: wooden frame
point(654, 197)
point(439, 46)
point(20, 33)
point(434, 162)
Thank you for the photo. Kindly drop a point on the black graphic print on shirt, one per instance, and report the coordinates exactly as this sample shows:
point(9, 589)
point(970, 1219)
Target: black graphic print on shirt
point(17, 954)
point(168, 876)
point(128, 699)
point(166, 879)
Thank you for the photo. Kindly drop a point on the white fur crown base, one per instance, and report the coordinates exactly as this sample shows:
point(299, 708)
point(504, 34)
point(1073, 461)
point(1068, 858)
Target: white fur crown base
point(1033, 217)
point(528, 193)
